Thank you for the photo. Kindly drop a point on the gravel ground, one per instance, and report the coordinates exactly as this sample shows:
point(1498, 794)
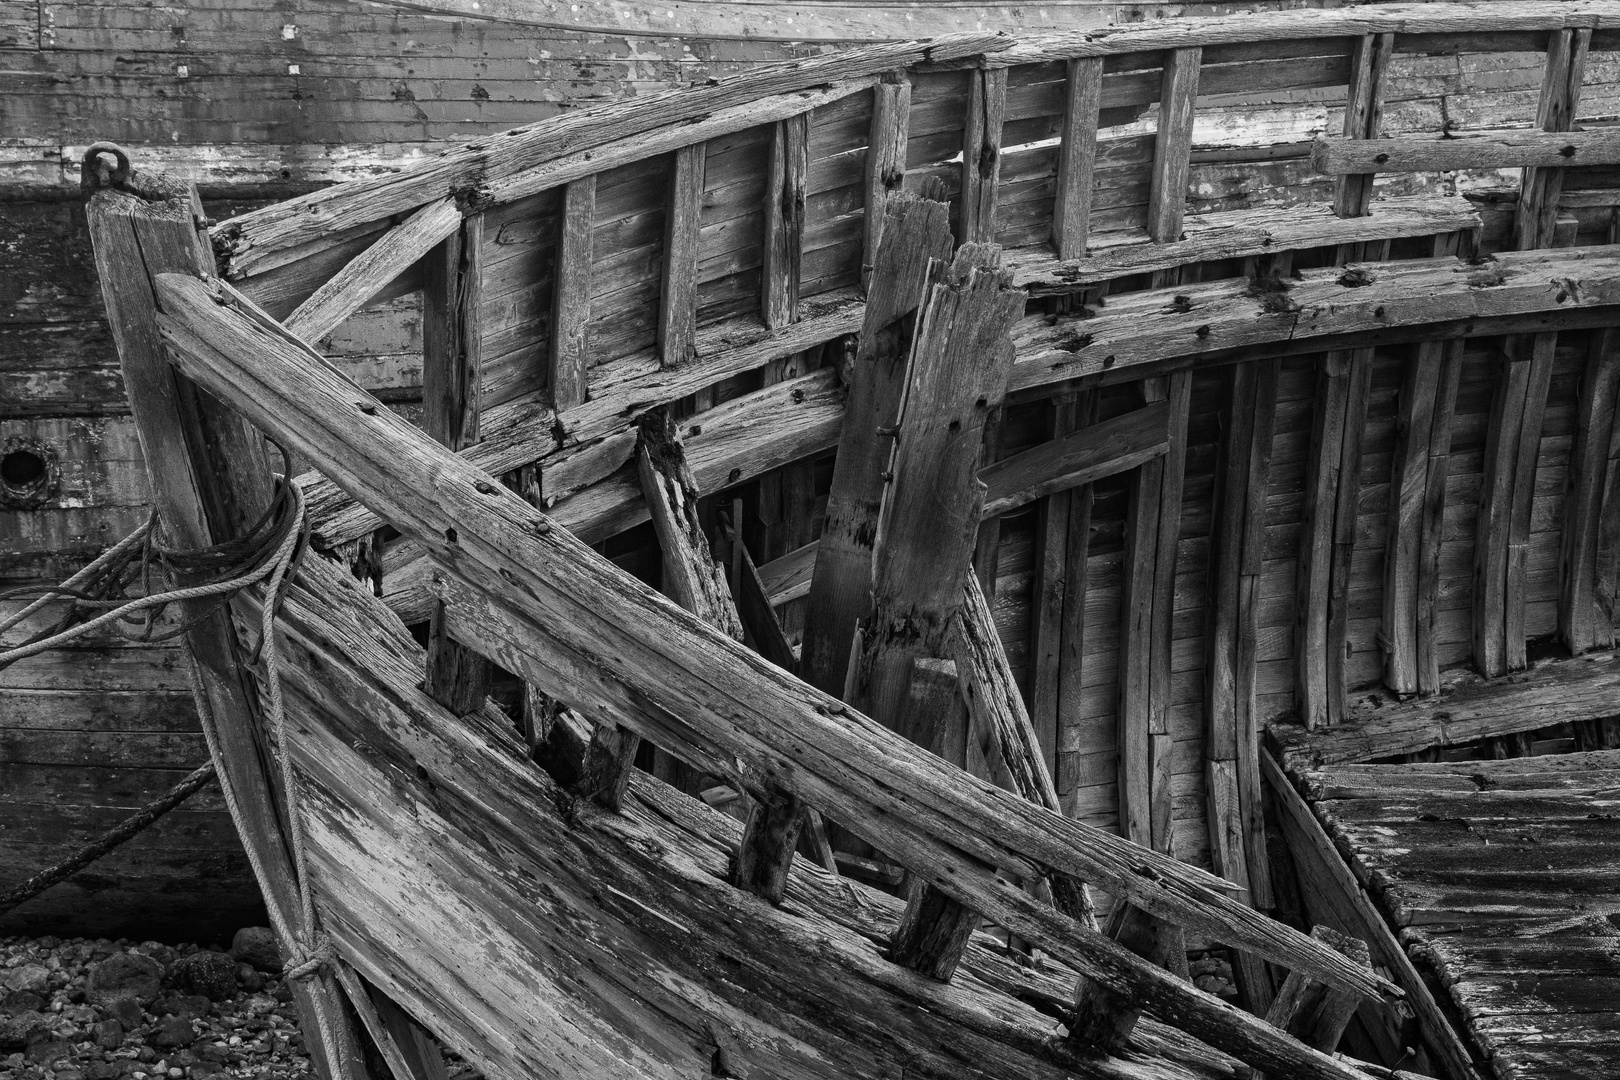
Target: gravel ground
point(82, 1009)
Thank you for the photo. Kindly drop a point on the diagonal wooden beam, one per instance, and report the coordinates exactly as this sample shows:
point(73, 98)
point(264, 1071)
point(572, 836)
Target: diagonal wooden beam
point(1081, 457)
point(369, 272)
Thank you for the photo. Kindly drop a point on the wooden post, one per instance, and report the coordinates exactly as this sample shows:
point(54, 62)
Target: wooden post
point(1314, 1013)
point(916, 230)
point(784, 220)
point(961, 360)
point(457, 677)
point(885, 161)
point(981, 153)
point(677, 308)
point(1071, 212)
point(571, 296)
point(211, 481)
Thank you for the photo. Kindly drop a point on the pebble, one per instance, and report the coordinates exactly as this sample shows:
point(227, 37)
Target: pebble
point(149, 1016)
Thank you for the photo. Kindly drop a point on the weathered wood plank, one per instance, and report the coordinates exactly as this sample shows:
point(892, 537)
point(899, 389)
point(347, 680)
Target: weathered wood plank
point(570, 346)
point(683, 211)
point(1535, 218)
point(785, 179)
point(1363, 113)
point(1315, 1014)
point(1081, 457)
point(1549, 692)
point(368, 273)
point(1071, 213)
point(916, 231)
point(1467, 150)
point(1236, 234)
point(1394, 300)
point(1341, 903)
point(981, 153)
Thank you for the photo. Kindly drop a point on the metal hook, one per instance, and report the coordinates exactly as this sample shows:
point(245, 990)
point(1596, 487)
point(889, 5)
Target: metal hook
point(90, 176)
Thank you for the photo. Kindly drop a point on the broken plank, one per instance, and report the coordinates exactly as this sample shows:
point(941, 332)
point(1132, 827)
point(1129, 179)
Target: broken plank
point(368, 273)
point(1081, 457)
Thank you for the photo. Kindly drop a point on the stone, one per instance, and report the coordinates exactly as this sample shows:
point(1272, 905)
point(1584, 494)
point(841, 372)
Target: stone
point(188, 1006)
point(125, 975)
point(69, 1074)
point(31, 978)
point(173, 1032)
point(211, 974)
point(207, 1068)
point(17, 1002)
point(249, 978)
point(46, 1051)
point(16, 1032)
point(257, 945)
point(127, 1011)
point(109, 1034)
point(103, 1070)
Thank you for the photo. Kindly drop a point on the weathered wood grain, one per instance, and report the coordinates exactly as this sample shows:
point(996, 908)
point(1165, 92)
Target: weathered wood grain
point(1103, 449)
point(915, 232)
point(981, 153)
point(677, 304)
point(1167, 201)
point(544, 557)
point(1215, 317)
point(368, 273)
point(1071, 212)
point(1466, 150)
point(1585, 619)
point(569, 353)
point(784, 210)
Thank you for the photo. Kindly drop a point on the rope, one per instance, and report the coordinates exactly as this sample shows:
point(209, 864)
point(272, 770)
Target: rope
point(108, 840)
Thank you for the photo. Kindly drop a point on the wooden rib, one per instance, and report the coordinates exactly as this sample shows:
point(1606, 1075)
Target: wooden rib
point(1408, 498)
point(1467, 150)
point(1172, 148)
point(1047, 593)
point(369, 272)
point(457, 677)
point(571, 296)
point(1135, 653)
point(1071, 667)
point(1311, 687)
point(981, 153)
point(1346, 511)
point(784, 220)
point(1233, 811)
point(1584, 623)
point(1539, 379)
point(1081, 457)
point(1369, 70)
point(1071, 212)
point(885, 160)
point(916, 230)
point(719, 701)
point(1536, 218)
point(677, 306)
point(1236, 234)
point(1434, 506)
point(959, 361)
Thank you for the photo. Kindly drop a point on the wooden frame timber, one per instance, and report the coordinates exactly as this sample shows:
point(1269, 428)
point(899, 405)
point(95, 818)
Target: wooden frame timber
point(810, 298)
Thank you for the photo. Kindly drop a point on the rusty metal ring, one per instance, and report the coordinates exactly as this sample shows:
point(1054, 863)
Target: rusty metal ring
point(88, 174)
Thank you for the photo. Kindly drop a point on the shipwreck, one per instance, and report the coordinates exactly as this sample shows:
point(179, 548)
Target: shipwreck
point(643, 702)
